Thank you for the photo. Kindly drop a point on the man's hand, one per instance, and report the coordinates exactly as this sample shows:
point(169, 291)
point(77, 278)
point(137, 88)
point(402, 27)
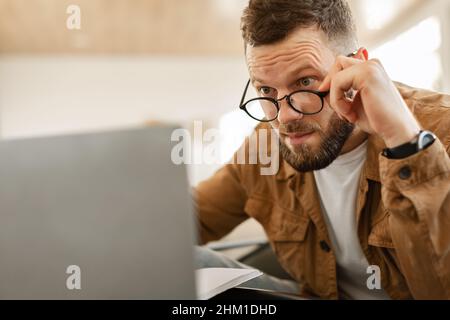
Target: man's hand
point(377, 107)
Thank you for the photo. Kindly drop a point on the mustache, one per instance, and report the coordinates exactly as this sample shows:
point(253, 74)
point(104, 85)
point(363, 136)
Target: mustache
point(298, 127)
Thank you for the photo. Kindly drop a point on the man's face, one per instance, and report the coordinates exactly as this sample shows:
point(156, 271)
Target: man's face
point(300, 62)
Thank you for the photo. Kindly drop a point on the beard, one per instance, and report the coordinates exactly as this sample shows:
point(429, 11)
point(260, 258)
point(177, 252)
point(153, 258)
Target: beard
point(304, 158)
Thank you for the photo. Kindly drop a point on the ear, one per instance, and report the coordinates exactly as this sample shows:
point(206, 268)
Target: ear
point(362, 54)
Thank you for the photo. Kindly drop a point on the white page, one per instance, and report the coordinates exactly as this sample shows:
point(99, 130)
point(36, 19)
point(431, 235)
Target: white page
point(213, 281)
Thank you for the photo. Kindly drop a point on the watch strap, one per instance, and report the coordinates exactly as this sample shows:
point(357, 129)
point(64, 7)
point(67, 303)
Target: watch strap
point(423, 141)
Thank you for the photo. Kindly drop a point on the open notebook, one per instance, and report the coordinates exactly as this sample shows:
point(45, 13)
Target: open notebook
point(213, 281)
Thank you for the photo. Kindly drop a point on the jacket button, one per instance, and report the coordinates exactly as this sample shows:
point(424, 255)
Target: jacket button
point(405, 173)
point(324, 246)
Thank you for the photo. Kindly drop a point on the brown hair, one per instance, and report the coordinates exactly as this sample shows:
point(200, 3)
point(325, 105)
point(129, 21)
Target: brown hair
point(270, 21)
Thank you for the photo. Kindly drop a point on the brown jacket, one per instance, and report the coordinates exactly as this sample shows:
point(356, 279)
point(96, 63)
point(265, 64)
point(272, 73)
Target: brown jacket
point(403, 220)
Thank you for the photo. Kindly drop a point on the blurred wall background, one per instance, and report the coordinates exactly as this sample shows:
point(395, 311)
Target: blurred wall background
point(174, 61)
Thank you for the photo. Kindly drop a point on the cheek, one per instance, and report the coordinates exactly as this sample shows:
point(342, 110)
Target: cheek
point(324, 118)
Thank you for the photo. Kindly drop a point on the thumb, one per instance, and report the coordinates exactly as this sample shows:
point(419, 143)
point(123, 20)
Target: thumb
point(326, 84)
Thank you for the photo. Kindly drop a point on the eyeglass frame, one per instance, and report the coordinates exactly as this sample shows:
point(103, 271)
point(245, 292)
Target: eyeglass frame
point(320, 94)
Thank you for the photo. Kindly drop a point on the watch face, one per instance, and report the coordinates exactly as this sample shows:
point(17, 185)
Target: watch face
point(426, 139)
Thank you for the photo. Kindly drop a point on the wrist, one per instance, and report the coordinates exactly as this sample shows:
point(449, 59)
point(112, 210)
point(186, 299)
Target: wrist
point(402, 136)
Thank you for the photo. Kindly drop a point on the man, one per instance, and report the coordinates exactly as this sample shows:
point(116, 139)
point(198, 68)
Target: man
point(365, 179)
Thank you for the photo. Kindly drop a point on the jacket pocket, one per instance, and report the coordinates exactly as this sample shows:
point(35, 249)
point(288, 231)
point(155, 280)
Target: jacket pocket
point(281, 225)
point(286, 231)
point(289, 243)
point(291, 228)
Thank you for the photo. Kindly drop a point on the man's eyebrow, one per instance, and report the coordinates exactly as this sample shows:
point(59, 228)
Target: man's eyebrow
point(310, 66)
point(304, 66)
point(256, 80)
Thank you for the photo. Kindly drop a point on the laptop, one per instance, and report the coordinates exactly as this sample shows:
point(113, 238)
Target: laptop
point(95, 216)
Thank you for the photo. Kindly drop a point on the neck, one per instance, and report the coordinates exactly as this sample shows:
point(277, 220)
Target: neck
point(354, 141)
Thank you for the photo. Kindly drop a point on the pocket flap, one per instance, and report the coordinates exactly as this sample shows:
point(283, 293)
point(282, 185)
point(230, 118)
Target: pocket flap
point(380, 234)
point(280, 224)
point(292, 228)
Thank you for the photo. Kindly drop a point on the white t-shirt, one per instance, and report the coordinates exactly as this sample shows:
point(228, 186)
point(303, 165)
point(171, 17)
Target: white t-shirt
point(338, 189)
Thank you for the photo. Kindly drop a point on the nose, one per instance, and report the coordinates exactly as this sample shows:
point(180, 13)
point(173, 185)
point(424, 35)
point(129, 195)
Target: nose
point(287, 113)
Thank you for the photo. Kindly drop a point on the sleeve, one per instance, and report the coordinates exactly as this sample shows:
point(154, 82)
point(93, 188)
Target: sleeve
point(220, 203)
point(416, 191)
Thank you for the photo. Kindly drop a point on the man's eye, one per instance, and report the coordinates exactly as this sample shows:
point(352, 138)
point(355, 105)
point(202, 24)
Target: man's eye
point(306, 82)
point(265, 91)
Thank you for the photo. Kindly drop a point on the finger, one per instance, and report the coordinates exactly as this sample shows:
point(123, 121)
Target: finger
point(341, 83)
point(340, 64)
point(350, 115)
point(326, 84)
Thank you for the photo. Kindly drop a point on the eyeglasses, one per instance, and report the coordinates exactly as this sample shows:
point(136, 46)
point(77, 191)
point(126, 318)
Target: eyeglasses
point(265, 109)
point(306, 102)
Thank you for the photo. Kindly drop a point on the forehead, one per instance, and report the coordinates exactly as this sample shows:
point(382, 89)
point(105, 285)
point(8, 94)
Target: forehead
point(303, 48)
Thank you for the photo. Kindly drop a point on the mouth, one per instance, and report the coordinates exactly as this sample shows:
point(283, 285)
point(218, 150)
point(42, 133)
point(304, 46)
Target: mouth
point(295, 139)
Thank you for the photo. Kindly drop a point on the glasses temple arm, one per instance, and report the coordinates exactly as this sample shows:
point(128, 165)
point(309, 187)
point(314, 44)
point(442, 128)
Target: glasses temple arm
point(245, 92)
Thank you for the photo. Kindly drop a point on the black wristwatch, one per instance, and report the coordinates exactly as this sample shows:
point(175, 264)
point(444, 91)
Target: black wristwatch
point(424, 140)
